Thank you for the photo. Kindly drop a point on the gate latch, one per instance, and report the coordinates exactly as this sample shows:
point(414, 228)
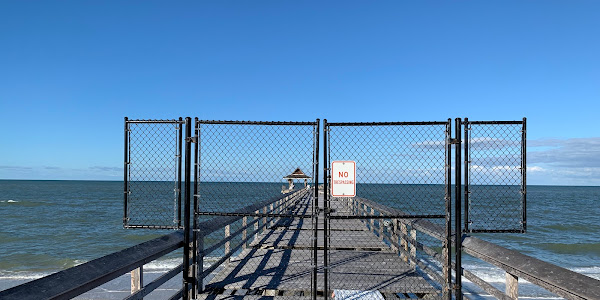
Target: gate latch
point(453, 141)
point(192, 139)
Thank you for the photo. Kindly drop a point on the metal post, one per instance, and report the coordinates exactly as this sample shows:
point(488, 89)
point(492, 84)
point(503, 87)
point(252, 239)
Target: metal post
point(325, 209)
point(466, 173)
point(180, 124)
point(198, 246)
point(448, 247)
point(125, 171)
point(315, 218)
point(457, 213)
point(524, 172)
point(187, 277)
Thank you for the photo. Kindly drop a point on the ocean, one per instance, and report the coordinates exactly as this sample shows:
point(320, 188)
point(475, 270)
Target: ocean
point(48, 226)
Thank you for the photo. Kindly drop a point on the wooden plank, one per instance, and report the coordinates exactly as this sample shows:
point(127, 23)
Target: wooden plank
point(291, 270)
point(512, 286)
point(561, 281)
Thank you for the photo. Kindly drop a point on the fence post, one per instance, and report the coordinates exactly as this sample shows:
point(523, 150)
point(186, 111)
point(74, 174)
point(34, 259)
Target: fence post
point(413, 247)
point(512, 286)
point(403, 242)
point(394, 235)
point(372, 213)
point(188, 275)
point(272, 219)
point(245, 232)
point(256, 225)
point(137, 279)
point(264, 219)
point(228, 243)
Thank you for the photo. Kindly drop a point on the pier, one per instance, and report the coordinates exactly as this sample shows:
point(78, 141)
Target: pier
point(398, 233)
point(277, 262)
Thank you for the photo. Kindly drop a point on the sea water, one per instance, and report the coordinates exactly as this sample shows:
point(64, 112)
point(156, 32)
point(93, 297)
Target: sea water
point(48, 226)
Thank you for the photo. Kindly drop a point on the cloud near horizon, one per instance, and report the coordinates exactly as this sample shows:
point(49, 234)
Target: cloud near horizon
point(574, 161)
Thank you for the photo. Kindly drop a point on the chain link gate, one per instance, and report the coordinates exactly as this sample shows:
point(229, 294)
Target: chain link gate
point(393, 236)
point(239, 170)
point(152, 174)
point(495, 176)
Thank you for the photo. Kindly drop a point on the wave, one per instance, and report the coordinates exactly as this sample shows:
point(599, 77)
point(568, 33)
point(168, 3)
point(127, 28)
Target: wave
point(9, 201)
point(593, 272)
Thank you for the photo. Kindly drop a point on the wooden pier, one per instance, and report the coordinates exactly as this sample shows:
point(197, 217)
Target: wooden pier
point(278, 261)
point(368, 259)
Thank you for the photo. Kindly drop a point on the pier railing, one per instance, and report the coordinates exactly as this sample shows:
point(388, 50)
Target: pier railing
point(77, 280)
point(401, 235)
point(265, 214)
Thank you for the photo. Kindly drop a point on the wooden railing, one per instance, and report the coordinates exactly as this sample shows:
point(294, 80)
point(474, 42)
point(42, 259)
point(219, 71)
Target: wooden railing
point(401, 235)
point(268, 211)
point(560, 281)
point(77, 280)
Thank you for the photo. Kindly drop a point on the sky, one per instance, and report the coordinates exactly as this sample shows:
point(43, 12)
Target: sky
point(70, 71)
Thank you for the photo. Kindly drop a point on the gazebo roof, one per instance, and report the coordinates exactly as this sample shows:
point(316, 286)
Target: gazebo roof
point(297, 174)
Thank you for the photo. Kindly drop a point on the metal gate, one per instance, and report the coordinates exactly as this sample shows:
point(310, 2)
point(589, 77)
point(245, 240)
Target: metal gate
point(253, 189)
point(393, 236)
point(257, 176)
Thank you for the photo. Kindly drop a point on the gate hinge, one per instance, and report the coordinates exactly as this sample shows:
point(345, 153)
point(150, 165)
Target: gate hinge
point(453, 141)
point(192, 139)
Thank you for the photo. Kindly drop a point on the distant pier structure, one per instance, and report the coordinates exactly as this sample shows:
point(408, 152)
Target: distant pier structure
point(297, 174)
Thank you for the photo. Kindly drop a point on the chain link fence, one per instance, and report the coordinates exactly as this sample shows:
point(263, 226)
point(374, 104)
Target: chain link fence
point(153, 174)
point(495, 176)
point(258, 178)
point(244, 163)
point(390, 239)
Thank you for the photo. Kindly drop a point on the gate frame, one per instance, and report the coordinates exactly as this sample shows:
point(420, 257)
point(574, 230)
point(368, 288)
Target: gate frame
point(466, 174)
point(126, 171)
point(447, 265)
point(197, 242)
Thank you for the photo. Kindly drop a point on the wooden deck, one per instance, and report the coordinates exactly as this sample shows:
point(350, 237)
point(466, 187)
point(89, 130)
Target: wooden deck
point(279, 262)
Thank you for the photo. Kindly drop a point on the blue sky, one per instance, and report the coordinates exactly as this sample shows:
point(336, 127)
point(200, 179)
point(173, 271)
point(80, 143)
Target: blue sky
point(71, 70)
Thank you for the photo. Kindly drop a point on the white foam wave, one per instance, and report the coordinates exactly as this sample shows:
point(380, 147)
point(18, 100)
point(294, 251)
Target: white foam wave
point(9, 201)
point(21, 275)
point(164, 265)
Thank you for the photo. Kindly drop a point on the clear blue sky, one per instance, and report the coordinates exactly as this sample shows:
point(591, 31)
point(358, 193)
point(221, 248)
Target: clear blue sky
point(71, 70)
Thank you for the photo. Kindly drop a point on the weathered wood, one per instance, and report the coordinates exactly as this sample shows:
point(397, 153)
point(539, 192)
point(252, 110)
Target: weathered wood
point(214, 224)
point(403, 241)
point(137, 279)
point(245, 232)
point(82, 278)
point(488, 288)
point(563, 282)
point(228, 243)
point(155, 284)
point(413, 245)
point(512, 286)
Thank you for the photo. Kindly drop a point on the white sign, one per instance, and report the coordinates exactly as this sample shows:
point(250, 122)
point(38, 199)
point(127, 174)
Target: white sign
point(343, 178)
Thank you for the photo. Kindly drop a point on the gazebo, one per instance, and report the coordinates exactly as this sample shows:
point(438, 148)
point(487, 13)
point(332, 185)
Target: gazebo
point(297, 174)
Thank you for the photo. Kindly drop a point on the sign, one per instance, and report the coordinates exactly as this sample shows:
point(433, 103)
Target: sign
point(343, 178)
